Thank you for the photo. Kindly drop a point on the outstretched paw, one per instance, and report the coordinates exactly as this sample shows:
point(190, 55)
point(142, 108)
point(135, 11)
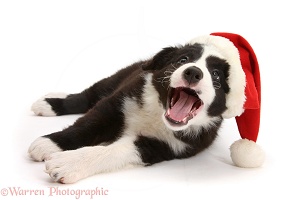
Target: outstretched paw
point(70, 166)
point(42, 148)
point(43, 108)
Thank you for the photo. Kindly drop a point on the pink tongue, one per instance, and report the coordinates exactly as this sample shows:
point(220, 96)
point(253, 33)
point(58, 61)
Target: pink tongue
point(182, 107)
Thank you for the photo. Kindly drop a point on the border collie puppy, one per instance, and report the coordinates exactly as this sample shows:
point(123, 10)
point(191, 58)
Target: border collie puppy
point(167, 107)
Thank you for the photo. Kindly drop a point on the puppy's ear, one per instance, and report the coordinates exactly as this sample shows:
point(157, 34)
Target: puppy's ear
point(161, 59)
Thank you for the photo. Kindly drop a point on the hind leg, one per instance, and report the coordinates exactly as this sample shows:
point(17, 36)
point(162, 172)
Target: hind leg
point(54, 104)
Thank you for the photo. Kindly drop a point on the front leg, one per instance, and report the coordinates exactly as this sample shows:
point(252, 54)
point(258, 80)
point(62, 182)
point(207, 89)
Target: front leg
point(129, 150)
point(71, 166)
point(42, 148)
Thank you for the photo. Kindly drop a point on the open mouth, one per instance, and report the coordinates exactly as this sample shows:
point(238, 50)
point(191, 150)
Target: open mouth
point(182, 105)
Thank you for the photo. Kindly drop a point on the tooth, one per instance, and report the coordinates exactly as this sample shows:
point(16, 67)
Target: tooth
point(172, 102)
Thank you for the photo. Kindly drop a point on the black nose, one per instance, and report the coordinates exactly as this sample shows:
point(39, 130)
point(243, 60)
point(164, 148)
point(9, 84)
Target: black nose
point(192, 74)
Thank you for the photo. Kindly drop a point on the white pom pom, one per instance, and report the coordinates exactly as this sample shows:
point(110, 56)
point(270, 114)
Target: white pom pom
point(246, 153)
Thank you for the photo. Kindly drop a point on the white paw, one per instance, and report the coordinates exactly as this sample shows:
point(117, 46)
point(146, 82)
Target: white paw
point(71, 166)
point(42, 148)
point(43, 108)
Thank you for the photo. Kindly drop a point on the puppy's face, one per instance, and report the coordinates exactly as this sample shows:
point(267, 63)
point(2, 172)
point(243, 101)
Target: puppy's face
point(192, 83)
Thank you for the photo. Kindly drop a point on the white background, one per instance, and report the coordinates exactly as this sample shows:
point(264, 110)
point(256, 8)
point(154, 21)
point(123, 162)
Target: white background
point(65, 46)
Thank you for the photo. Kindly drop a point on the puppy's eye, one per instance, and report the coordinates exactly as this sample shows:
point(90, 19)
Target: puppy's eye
point(216, 74)
point(183, 60)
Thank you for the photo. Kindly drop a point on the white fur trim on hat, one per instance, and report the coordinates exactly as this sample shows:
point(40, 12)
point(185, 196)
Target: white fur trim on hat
point(246, 153)
point(235, 99)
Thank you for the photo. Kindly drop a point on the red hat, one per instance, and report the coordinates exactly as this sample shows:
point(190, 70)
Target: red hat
point(244, 98)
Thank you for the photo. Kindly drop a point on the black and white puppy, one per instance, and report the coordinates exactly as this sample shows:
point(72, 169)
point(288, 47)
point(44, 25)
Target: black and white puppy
point(167, 107)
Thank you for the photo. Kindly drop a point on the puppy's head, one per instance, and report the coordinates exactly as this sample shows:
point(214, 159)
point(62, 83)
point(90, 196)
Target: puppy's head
point(193, 82)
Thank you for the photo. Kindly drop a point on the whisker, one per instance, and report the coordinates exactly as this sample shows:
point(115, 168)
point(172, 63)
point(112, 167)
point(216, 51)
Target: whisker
point(166, 79)
point(168, 72)
point(173, 66)
point(163, 80)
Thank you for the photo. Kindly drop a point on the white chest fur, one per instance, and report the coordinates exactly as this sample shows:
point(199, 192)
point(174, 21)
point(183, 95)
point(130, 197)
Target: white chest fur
point(146, 120)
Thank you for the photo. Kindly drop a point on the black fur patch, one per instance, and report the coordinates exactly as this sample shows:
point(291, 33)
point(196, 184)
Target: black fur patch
point(219, 104)
point(72, 104)
point(201, 141)
point(96, 127)
point(153, 150)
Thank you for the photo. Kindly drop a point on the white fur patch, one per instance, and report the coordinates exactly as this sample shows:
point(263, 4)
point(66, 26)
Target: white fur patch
point(71, 166)
point(147, 120)
point(42, 148)
point(42, 108)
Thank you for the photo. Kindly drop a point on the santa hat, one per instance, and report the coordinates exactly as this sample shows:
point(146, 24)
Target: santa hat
point(244, 98)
